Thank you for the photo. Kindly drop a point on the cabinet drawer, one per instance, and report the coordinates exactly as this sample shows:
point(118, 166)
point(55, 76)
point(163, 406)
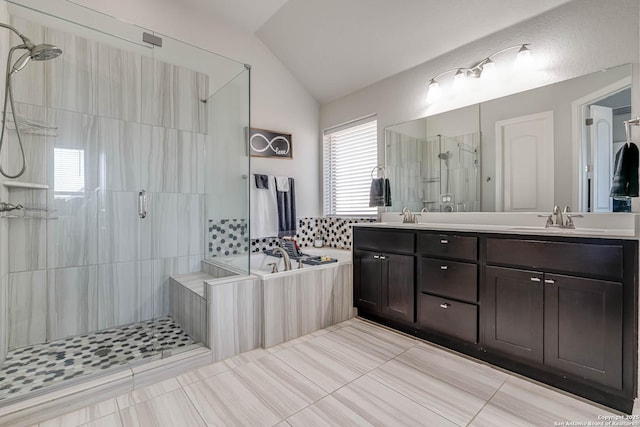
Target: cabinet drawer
point(383, 240)
point(450, 317)
point(582, 258)
point(449, 279)
point(448, 246)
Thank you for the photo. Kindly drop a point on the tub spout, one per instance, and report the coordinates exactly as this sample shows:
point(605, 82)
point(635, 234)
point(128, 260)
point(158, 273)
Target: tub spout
point(285, 256)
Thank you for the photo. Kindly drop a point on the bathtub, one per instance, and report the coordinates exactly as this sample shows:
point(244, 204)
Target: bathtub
point(259, 262)
point(302, 300)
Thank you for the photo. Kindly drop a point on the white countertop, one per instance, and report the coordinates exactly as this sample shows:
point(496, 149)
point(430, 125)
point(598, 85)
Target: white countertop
point(593, 225)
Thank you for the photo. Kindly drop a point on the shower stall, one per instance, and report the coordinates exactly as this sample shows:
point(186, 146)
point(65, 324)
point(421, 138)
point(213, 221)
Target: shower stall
point(437, 173)
point(133, 150)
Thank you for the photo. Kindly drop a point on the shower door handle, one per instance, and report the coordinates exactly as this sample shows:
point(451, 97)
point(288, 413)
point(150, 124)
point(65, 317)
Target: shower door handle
point(142, 204)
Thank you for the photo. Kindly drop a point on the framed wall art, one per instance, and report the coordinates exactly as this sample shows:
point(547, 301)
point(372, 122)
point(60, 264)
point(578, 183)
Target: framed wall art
point(268, 143)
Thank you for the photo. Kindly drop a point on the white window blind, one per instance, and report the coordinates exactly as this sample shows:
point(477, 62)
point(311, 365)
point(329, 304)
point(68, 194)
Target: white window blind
point(350, 154)
point(68, 171)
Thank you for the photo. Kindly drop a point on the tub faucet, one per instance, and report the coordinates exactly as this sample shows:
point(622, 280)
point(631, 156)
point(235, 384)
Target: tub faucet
point(285, 257)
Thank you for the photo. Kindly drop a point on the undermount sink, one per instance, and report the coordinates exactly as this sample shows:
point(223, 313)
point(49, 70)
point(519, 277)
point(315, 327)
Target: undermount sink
point(542, 229)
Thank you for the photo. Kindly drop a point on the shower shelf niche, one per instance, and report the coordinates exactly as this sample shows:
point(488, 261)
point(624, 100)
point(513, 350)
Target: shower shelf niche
point(26, 185)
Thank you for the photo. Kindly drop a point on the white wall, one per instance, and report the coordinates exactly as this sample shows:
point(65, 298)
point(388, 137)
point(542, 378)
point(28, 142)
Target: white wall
point(568, 41)
point(278, 100)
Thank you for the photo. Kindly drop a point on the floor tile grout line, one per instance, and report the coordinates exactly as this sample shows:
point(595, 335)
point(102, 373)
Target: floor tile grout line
point(192, 403)
point(487, 402)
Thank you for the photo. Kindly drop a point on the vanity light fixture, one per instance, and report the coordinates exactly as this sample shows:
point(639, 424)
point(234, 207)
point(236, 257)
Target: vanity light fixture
point(485, 68)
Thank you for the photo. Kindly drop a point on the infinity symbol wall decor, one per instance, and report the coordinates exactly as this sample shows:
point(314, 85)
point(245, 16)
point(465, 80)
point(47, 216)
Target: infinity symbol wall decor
point(266, 143)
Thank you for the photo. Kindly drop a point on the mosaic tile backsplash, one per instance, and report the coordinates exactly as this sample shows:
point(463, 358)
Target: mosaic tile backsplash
point(231, 237)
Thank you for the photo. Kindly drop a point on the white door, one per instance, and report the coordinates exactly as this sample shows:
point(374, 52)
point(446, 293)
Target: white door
point(602, 155)
point(524, 163)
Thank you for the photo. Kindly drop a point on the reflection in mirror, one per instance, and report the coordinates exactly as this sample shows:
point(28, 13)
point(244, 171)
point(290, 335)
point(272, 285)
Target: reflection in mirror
point(552, 145)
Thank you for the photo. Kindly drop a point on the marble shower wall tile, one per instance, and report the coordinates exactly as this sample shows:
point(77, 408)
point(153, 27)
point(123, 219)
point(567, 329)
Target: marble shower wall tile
point(36, 146)
point(159, 159)
point(70, 79)
point(120, 293)
point(28, 237)
point(119, 164)
point(29, 83)
point(189, 310)
point(190, 224)
point(301, 303)
point(191, 162)
point(4, 320)
point(172, 96)
point(72, 237)
point(162, 270)
point(72, 295)
point(27, 308)
point(75, 132)
point(235, 319)
point(164, 215)
point(119, 83)
point(119, 227)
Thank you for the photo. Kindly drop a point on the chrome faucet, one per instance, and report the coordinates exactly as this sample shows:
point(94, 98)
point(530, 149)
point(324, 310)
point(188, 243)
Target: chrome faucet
point(285, 257)
point(408, 216)
point(559, 222)
point(7, 207)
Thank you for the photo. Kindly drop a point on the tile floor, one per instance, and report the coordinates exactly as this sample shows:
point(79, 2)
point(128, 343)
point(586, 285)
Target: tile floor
point(351, 374)
point(42, 365)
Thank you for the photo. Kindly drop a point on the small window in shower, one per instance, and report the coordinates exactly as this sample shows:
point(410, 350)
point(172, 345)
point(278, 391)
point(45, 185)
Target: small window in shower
point(68, 167)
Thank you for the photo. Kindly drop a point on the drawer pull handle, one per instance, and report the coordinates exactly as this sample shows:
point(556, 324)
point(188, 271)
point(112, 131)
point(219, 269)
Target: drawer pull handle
point(535, 279)
point(549, 281)
point(445, 305)
point(444, 242)
point(383, 257)
point(444, 267)
point(376, 257)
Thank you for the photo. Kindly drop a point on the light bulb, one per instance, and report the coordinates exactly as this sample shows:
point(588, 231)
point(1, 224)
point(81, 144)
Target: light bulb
point(523, 58)
point(434, 91)
point(459, 79)
point(488, 70)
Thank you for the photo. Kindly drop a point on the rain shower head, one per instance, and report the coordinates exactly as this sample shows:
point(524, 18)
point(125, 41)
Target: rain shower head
point(41, 52)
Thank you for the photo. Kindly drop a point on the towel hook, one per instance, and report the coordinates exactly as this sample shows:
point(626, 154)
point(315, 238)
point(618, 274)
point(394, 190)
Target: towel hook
point(627, 123)
point(375, 170)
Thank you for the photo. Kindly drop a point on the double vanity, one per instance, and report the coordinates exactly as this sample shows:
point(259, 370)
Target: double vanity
point(557, 305)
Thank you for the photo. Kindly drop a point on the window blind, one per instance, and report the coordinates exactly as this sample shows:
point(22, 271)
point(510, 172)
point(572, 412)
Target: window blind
point(68, 167)
point(350, 154)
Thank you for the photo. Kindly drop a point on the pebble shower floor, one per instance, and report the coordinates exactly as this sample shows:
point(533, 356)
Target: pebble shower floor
point(34, 367)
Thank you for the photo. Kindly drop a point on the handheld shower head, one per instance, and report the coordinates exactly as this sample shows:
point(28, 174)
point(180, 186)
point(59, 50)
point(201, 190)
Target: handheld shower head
point(41, 52)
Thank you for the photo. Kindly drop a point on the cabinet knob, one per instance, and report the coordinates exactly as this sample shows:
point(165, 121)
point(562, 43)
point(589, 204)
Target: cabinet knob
point(445, 305)
point(549, 281)
point(535, 279)
point(444, 241)
point(444, 267)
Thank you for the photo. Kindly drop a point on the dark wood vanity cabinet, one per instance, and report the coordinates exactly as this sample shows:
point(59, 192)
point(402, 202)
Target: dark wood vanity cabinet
point(562, 310)
point(448, 285)
point(384, 281)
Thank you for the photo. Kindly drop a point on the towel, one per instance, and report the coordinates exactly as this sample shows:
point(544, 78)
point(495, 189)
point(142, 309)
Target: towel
point(380, 192)
point(287, 210)
point(264, 210)
point(282, 183)
point(262, 181)
point(625, 176)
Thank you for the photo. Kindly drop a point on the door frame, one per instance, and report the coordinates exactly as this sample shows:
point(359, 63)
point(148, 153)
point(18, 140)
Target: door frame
point(545, 115)
point(580, 137)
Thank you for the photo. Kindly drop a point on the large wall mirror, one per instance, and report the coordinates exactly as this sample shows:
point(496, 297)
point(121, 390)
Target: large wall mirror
point(524, 152)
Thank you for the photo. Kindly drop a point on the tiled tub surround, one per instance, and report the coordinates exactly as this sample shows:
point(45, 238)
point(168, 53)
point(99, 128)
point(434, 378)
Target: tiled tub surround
point(97, 265)
point(295, 302)
point(230, 236)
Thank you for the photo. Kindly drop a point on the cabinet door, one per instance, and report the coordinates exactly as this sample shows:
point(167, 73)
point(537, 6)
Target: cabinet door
point(583, 328)
point(398, 286)
point(367, 284)
point(513, 312)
